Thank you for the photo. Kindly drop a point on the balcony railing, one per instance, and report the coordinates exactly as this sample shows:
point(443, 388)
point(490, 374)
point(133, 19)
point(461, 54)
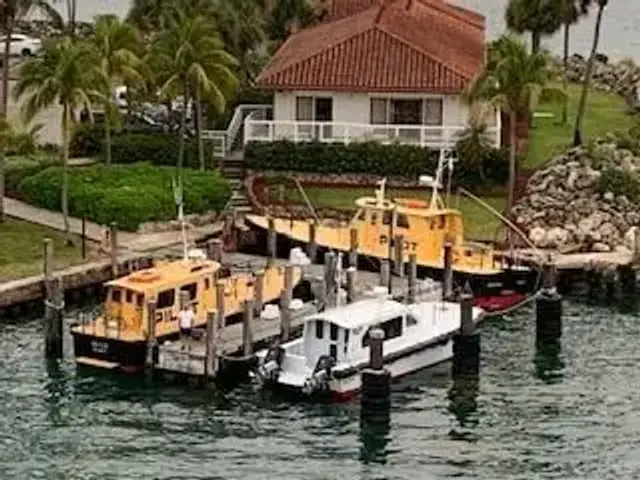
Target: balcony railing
point(258, 130)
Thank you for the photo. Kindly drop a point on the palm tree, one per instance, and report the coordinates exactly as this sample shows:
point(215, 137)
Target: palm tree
point(116, 45)
point(577, 135)
point(513, 80)
point(287, 14)
point(65, 75)
point(191, 60)
point(540, 17)
point(11, 11)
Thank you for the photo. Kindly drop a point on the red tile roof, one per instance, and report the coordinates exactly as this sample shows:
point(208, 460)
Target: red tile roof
point(382, 45)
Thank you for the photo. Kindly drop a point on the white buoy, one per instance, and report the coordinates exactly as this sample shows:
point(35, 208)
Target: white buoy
point(270, 312)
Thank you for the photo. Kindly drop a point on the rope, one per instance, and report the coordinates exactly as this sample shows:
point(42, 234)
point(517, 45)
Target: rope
point(59, 306)
point(521, 304)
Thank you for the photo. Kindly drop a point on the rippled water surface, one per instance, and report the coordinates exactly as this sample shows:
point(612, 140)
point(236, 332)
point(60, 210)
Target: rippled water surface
point(567, 414)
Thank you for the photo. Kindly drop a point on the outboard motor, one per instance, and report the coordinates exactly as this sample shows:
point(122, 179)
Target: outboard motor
point(270, 368)
point(319, 379)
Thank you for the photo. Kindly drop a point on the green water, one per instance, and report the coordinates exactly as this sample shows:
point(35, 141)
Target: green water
point(571, 415)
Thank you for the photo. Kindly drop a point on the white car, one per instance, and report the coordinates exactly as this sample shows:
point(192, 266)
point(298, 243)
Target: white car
point(22, 45)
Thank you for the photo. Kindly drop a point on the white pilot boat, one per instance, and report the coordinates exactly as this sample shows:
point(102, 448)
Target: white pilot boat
point(334, 347)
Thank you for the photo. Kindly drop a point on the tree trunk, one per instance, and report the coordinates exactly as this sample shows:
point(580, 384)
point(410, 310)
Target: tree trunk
point(4, 107)
point(65, 171)
point(182, 129)
point(71, 17)
point(535, 41)
point(107, 139)
point(199, 129)
point(577, 134)
point(513, 117)
point(565, 70)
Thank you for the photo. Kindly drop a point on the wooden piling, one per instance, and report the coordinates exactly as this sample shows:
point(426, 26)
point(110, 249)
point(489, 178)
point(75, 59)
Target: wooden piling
point(272, 239)
point(214, 250)
point(211, 357)
point(351, 284)
point(398, 255)
point(385, 272)
point(151, 334)
point(312, 246)
point(220, 290)
point(247, 328)
point(330, 279)
point(47, 267)
point(466, 343)
point(353, 247)
point(113, 248)
point(412, 278)
point(258, 292)
point(447, 275)
point(285, 315)
point(375, 398)
point(54, 309)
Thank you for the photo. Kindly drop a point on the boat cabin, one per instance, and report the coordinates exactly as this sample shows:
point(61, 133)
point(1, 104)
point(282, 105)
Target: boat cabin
point(343, 333)
point(127, 297)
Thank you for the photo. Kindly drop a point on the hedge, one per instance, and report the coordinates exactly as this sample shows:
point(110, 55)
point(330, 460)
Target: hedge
point(126, 194)
point(21, 167)
point(136, 146)
point(397, 160)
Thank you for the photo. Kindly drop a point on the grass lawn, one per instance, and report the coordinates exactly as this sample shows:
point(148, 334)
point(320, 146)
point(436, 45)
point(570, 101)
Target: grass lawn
point(480, 224)
point(606, 112)
point(21, 249)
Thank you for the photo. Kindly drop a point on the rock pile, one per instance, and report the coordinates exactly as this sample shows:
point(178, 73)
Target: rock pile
point(563, 207)
point(621, 77)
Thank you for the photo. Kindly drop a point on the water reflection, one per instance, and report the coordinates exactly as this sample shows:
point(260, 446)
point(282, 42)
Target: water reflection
point(548, 362)
point(463, 404)
point(375, 427)
point(56, 388)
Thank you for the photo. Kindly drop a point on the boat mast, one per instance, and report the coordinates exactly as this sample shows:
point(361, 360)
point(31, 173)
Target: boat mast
point(179, 199)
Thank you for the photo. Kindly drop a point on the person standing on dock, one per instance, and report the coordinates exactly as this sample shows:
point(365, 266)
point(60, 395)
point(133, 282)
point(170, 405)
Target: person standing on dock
point(185, 319)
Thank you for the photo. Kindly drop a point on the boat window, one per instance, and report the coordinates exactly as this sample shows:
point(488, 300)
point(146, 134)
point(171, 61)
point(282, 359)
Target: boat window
point(387, 216)
point(333, 351)
point(374, 218)
point(207, 284)
point(333, 332)
point(361, 216)
point(166, 299)
point(192, 288)
point(402, 221)
point(139, 299)
point(319, 328)
point(116, 295)
point(411, 321)
point(346, 341)
point(468, 252)
point(129, 296)
point(391, 328)
point(443, 221)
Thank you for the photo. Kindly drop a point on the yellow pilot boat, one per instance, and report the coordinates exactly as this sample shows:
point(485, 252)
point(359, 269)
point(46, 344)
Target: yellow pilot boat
point(117, 338)
point(425, 228)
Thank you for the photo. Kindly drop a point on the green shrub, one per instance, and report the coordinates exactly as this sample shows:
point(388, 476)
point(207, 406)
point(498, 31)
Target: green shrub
point(397, 160)
point(126, 194)
point(19, 168)
point(157, 148)
point(619, 182)
point(86, 141)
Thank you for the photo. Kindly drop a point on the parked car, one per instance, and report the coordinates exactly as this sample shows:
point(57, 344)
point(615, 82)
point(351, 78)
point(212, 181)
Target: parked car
point(22, 45)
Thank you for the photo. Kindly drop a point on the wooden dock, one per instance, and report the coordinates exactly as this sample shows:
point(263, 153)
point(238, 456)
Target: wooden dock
point(571, 261)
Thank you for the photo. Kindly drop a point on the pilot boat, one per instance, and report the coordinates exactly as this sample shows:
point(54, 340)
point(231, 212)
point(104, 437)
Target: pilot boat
point(334, 347)
point(117, 338)
point(425, 227)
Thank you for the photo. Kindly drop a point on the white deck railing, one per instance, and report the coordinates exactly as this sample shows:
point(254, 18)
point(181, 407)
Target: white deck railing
point(259, 130)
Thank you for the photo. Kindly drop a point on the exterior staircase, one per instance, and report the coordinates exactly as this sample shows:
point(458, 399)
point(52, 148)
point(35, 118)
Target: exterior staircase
point(229, 145)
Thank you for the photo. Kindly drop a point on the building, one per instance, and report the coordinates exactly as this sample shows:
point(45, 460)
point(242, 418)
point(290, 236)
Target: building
point(384, 70)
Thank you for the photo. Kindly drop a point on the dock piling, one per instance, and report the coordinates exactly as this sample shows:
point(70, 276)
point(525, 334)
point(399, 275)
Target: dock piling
point(636, 246)
point(220, 290)
point(272, 239)
point(151, 335)
point(447, 275)
point(548, 308)
point(247, 328)
point(385, 272)
point(214, 250)
point(398, 255)
point(83, 237)
point(47, 267)
point(466, 343)
point(211, 357)
point(312, 246)
point(353, 247)
point(54, 309)
point(351, 284)
point(113, 248)
point(412, 278)
point(258, 292)
point(330, 279)
point(375, 398)
point(285, 315)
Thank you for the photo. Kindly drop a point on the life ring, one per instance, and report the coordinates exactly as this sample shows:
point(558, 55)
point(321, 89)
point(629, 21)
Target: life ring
point(145, 276)
point(411, 203)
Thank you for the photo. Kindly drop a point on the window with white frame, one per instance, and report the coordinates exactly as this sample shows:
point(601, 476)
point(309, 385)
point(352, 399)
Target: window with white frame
point(427, 111)
point(304, 109)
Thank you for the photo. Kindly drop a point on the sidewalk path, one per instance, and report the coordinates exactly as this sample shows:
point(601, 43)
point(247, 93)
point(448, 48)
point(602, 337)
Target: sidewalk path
point(132, 241)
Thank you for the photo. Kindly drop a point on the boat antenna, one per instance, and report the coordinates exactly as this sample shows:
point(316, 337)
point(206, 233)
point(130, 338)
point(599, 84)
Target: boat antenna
point(380, 193)
point(179, 199)
point(451, 157)
point(438, 179)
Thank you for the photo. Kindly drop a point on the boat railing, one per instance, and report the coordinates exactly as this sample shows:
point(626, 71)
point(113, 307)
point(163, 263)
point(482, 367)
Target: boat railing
point(97, 322)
